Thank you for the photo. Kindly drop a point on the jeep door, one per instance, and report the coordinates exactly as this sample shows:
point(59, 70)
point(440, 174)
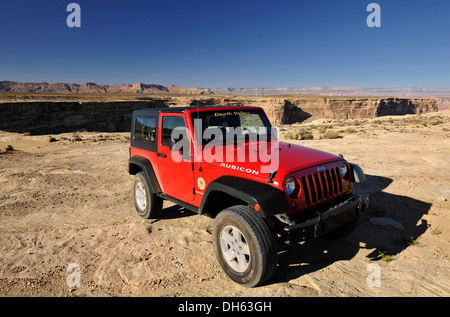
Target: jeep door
point(174, 157)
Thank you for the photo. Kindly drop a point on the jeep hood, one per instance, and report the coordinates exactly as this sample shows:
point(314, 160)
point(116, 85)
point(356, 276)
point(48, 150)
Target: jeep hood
point(282, 157)
point(296, 157)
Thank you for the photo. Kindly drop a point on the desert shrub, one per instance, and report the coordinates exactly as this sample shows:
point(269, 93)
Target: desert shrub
point(350, 130)
point(51, 139)
point(385, 256)
point(330, 134)
point(436, 231)
point(299, 135)
point(76, 137)
point(291, 135)
point(306, 135)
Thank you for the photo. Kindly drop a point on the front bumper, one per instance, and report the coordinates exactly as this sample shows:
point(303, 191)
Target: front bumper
point(328, 220)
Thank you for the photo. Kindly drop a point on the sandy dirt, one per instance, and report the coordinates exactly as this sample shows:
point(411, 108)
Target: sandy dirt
point(68, 202)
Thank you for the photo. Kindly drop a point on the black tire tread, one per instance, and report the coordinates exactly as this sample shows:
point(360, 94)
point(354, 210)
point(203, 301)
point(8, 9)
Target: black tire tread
point(154, 202)
point(264, 240)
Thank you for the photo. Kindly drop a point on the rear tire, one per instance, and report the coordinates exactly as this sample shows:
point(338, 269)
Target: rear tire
point(147, 204)
point(244, 246)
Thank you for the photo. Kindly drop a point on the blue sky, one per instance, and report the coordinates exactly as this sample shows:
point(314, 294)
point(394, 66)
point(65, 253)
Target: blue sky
point(214, 43)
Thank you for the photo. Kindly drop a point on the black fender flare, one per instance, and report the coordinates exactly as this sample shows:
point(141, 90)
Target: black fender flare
point(145, 165)
point(358, 174)
point(271, 200)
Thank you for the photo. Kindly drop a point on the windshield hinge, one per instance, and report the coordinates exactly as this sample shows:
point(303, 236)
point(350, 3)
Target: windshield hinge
point(271, 176)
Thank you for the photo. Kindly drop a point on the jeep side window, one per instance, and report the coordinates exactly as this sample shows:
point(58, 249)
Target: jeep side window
point(145, 129)
point(168, 125)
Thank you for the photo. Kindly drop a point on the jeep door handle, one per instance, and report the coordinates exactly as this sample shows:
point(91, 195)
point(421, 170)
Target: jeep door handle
point(161, 155)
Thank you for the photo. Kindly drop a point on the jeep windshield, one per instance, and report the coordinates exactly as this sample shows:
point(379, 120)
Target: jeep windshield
point(231, 126)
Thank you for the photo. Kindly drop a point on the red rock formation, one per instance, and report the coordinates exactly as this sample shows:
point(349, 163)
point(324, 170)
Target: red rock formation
point(11, 86)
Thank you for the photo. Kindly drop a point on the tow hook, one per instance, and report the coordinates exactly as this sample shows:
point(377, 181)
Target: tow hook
point(284, 218)
point(365, 201)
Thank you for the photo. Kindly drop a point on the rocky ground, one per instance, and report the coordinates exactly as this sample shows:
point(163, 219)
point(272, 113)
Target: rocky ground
point(67, 204)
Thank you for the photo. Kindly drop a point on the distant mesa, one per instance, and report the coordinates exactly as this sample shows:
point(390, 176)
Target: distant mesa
point(337, 91)
point(441, 95)
point(12, 86)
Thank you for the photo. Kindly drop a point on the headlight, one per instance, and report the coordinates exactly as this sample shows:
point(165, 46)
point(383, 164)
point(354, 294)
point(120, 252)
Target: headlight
point(289, 186)
point(344, 170)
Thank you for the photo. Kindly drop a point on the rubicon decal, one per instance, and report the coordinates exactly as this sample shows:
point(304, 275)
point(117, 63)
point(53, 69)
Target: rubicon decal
point(239, 168)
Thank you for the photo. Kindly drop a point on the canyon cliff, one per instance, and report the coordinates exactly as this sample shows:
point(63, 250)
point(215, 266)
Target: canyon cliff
point(45, 117)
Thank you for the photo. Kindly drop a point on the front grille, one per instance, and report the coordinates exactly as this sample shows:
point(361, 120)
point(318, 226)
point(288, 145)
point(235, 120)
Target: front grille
point(321, 186)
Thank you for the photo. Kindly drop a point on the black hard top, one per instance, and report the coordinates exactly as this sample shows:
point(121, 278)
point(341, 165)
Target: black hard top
point(149, 111)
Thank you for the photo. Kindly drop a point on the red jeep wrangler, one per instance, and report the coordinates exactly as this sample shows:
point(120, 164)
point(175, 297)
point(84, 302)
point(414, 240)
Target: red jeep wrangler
point(227, 162)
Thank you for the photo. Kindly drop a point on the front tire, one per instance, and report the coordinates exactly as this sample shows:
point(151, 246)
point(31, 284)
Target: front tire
point(244, 246)
point(147, 204)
